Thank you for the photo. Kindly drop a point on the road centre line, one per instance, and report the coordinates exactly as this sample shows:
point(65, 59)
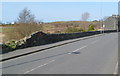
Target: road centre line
point(31, 54)
point(28, 55)
point(47, 50)
point(39, 66)
point(84, 46)
point(79, 48)
point(54, 60)
point(50, 61)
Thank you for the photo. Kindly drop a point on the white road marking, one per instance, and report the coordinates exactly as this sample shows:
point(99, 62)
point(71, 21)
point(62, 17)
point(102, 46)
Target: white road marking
point(47, 50)
point(116, 69)
point(78, 49)
point(84, 46)
point(39, 66)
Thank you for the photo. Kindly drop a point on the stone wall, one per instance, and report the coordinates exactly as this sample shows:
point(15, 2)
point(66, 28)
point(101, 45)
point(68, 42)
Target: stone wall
point(40, 38)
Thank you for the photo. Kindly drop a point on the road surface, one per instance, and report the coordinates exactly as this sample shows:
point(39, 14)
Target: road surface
point(98, 55)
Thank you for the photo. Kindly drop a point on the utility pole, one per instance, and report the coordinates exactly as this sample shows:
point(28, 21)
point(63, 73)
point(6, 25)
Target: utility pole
point(118, 23)
point(100, 27)
point(115, 23)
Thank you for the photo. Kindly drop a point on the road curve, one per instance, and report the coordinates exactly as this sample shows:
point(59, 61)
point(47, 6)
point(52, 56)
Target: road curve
point(98, 55)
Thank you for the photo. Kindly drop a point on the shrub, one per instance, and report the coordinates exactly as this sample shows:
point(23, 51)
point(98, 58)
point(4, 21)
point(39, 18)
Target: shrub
point(11, 44)
point(91, 27)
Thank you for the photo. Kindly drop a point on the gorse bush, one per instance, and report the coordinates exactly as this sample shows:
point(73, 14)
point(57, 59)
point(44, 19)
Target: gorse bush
point(11, 44)
point(91, 27)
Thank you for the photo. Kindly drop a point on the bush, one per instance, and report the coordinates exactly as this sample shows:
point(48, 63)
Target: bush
point(91, 27)
point(74, 29)
point(5, 49)
point(11, 44)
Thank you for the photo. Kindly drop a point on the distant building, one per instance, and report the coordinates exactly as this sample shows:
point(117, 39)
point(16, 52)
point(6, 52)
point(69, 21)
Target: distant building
point(111, 23)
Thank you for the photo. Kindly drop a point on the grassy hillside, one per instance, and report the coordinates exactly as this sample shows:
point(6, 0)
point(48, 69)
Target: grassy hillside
point(60, 27)
point(19, 31)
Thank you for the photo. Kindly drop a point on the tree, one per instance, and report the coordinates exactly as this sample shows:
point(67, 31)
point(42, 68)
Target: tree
point(25, 16)
point(85, 16)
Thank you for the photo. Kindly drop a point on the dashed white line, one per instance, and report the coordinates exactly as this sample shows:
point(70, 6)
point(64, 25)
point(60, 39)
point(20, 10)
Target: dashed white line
point(39, 66)
point(78, 49)
point(116, 69)
point(84, 46)
point(47, 50)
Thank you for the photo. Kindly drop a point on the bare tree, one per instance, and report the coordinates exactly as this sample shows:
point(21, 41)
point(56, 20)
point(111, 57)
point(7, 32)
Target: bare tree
point(25, 16)
point(85, 16)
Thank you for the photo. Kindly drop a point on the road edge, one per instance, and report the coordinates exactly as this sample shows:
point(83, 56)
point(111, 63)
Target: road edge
point(74, 40)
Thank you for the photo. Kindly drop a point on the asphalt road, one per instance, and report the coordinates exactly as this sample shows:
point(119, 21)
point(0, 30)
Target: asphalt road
point(98, 55)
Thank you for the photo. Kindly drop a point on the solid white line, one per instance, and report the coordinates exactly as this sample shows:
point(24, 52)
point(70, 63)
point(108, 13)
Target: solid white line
point(116, 69)
point(39, 66)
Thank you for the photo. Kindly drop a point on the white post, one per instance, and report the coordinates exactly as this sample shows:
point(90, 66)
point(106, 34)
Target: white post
point(103, 28)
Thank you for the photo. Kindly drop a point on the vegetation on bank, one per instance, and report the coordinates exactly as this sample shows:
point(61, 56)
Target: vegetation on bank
point(26, 24)
point(15, 34)
point(74, 29)
point(19, 31)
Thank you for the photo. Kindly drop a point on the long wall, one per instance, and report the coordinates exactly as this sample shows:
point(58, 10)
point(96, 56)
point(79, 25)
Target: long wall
point(41, 38)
